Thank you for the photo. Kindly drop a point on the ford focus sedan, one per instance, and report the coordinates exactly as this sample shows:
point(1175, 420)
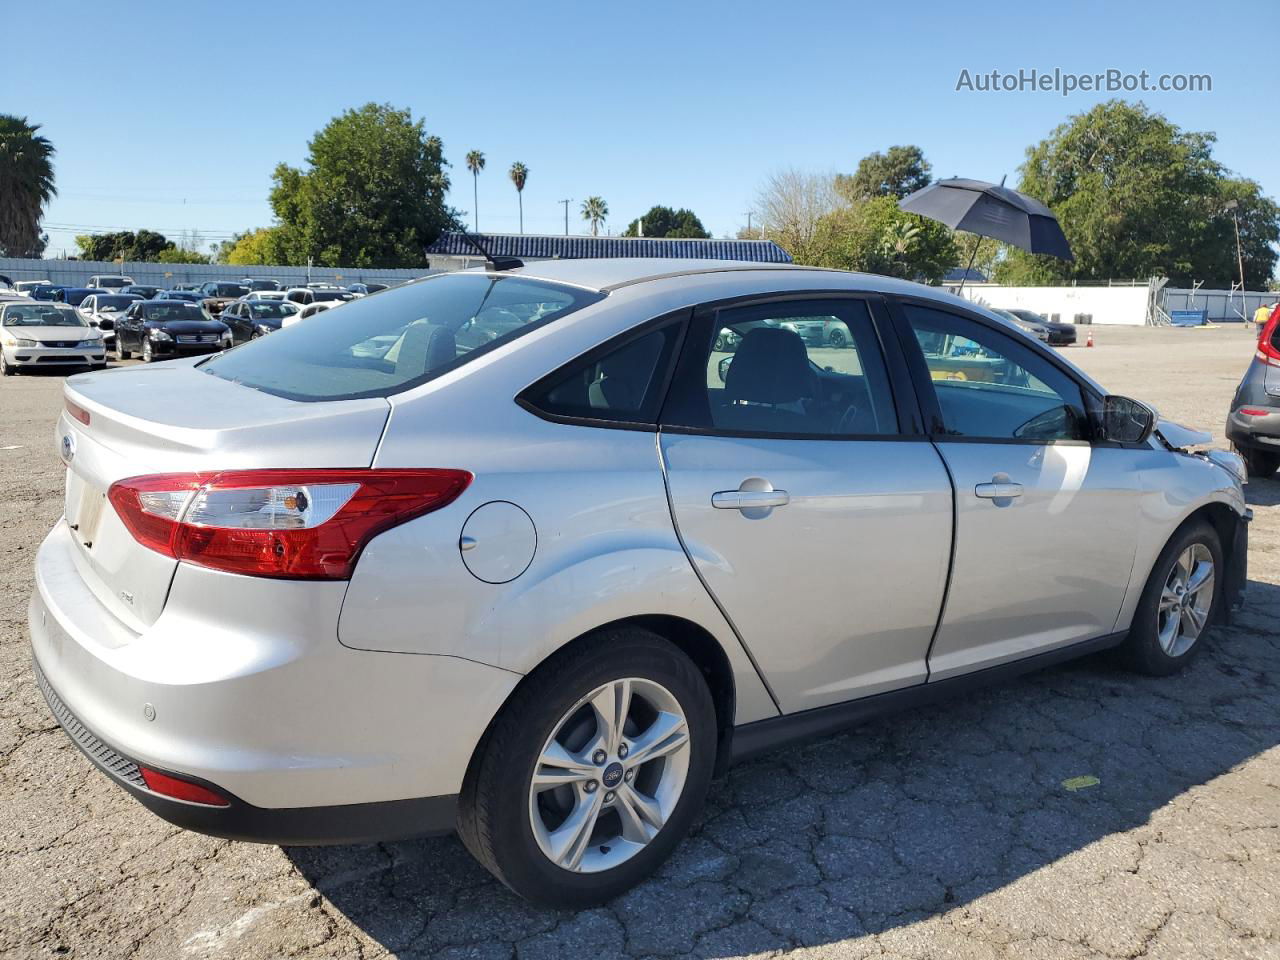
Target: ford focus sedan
point(366, 578)
point(36, 335)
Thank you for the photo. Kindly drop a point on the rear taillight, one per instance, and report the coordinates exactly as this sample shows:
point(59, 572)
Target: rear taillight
point(78, 412)
point(1254, 411)
point(1267, 351)
point(296, 524)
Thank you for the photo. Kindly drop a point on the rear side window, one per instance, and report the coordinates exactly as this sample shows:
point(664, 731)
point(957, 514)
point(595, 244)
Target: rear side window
point(378, 346)
point(625, 383)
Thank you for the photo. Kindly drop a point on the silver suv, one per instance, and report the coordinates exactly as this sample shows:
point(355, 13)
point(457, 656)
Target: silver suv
point(380, 575)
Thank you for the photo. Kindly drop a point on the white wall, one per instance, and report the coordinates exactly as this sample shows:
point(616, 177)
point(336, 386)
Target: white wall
point(1109, 305)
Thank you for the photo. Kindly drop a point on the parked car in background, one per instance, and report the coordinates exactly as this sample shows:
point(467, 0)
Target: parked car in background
point(111, 283)
point(1036, 329)
point(308, 311)
point(190, 296)
point(258, 284)
point(74, 296)
point(364, 289)
point(44, 335)
point(373, 583)
point(48, 293)
point(218, 293)
point(145, 290)
point(252, 318)
point(821, 331)
point(1059, 334)
point(188, 287)
point(159, 329)
point(1253, 422)
point(305, 295)
point(28, 286)
point(267, 295)
point(103, 311)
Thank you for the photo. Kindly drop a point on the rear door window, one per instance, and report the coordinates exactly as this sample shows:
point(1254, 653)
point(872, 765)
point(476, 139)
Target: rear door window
point(378, 346)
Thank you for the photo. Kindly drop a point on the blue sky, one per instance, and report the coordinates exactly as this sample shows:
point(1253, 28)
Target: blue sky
point(172, 115)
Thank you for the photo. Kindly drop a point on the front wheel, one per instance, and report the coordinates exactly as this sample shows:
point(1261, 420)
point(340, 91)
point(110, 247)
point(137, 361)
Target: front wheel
point(147, 355)
point(837, 339)
point(121, 352)
point(1178, 603)
point(593, 771)
point(6, 369)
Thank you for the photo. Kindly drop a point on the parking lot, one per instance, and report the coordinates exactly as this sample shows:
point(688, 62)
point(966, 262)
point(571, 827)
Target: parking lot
point(1079, 812)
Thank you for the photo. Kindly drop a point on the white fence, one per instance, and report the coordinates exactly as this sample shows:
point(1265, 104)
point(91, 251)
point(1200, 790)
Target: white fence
point(1132, 304)
point(76, 273)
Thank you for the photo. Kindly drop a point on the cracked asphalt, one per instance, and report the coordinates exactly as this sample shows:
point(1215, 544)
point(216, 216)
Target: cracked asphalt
point(947, 832)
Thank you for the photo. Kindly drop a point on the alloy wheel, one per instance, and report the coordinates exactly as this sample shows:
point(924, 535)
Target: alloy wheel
point(1186, 600)
point(610, 775)
point(146, 351)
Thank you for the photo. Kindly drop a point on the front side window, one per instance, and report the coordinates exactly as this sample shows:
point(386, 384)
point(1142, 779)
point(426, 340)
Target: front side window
point(790, 368)
point(990, 386)
point(378, 346)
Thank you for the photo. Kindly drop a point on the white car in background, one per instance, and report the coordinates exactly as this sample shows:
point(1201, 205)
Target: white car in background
point(35, 334)
point(332, 295)
point(25, 287)
point(108, 308)
point(266, 295)
point(310, 310)
point(109, 283)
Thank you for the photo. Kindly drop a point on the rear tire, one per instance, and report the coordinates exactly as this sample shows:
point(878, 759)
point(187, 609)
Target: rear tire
point(1174, 613)
point(1260, 463)
point(837, 339)
point(515, 830)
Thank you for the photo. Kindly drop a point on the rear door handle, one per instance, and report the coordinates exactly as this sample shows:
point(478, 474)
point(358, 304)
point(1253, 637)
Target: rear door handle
point(998, 490)
point(749, 499)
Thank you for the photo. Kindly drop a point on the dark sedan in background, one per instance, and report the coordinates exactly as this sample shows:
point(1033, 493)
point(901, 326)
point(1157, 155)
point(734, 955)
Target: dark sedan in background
point(1055, 334)
point(253, 318)
point(159, 329)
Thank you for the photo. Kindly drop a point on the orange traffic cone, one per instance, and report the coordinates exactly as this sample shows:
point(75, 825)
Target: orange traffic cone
point(1089, 342)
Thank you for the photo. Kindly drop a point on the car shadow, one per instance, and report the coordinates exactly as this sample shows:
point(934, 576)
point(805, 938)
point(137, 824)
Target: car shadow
point(882, 826)
point(1262, 493)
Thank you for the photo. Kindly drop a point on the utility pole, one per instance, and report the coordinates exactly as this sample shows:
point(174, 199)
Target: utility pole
point(566, 214)
point(1234, 207)
point(749, 212)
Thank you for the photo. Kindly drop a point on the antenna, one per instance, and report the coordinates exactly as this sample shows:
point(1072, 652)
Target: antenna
point(490, 261)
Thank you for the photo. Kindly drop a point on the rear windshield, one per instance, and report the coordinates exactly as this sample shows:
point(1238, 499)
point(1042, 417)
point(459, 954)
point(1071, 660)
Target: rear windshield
point(230, 290)
point(272, 308)
point(115, 303)
point(378, 346)
point(319, 295)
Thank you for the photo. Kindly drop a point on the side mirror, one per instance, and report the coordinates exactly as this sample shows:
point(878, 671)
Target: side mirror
point(105, 325)
point(1124, 420)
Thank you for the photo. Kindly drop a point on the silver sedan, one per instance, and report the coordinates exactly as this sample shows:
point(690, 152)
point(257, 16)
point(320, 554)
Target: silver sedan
point(520, 552)
point(36, 335)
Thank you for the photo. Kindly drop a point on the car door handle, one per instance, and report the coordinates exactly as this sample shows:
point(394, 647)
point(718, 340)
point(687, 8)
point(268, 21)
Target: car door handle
point(998, 490)
point(749, 499)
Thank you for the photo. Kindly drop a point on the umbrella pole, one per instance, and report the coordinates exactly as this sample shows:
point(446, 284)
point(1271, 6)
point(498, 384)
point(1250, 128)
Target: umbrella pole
point(972, 257)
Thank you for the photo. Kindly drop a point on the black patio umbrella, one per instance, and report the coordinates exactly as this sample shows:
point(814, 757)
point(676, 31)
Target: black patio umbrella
point(991, 210)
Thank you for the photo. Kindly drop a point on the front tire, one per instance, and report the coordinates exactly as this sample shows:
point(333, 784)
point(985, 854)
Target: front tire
point(121, 352)
point(593, 772)
point(5, 369)
point(1178, 603)
point(147, 355)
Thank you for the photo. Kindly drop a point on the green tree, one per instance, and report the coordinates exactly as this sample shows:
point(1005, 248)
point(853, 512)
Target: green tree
point(895, 173)
point(180, 255)
point(875, 236)
point(141, 247)
point(1138, 197)
point(519, 174)
point(662, 221)
point(595, 211)
point(266, 245)
point(26, 185)
point(475, 163)
point(372, 194)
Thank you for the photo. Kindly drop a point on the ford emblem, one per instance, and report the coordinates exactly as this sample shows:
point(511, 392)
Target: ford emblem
point(68, 447)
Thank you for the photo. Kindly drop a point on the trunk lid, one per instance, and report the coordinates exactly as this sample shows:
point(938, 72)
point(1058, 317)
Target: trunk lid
point(172, 418)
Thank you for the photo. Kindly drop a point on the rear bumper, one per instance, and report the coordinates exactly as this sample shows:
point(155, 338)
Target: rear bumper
point(241, 684)
point(347, 823)
point(1261, 433)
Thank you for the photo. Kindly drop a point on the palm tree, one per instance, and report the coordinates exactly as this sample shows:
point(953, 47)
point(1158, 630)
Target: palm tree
point(26, 185)
point(594, 211)
point(519, 174)
point(475, 163)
